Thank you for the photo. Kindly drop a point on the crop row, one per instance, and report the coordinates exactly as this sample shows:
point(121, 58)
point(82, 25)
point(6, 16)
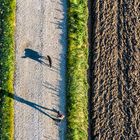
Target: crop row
point(77, 65)
point(7, 23)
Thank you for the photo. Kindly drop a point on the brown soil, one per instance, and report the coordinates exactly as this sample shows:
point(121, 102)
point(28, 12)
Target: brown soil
point(115, 70)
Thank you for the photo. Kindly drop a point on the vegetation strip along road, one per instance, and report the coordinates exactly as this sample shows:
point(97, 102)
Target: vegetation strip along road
point(7, 24)
point(77, 65)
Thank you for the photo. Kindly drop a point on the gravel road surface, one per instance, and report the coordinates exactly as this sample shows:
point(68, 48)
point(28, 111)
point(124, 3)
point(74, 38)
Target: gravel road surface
point(40, 31)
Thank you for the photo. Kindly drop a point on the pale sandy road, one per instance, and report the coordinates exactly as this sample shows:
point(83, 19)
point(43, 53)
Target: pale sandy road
point(40, 26)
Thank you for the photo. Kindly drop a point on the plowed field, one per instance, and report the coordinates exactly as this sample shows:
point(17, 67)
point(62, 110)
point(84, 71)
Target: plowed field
point(115, 70)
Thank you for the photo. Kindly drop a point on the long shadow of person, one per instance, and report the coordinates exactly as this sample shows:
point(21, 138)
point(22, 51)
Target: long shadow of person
point(36, 56)
point(31, 104)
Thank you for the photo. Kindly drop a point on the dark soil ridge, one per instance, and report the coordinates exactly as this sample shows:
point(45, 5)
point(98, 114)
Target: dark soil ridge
point(91, 34)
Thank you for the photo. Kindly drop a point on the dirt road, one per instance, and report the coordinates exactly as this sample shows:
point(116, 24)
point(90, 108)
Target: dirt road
point(116, 70)
point(40, 27)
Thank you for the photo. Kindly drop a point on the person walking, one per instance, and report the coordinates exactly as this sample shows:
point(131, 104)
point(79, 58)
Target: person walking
point(50, 60)
point(60, 116)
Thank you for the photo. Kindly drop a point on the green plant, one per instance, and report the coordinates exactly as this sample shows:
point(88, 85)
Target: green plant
point(77, 65)
point(7, 23)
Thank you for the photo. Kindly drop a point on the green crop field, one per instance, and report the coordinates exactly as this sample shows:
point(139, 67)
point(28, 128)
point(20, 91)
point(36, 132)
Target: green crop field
point(7, 24)
point(77, 65)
